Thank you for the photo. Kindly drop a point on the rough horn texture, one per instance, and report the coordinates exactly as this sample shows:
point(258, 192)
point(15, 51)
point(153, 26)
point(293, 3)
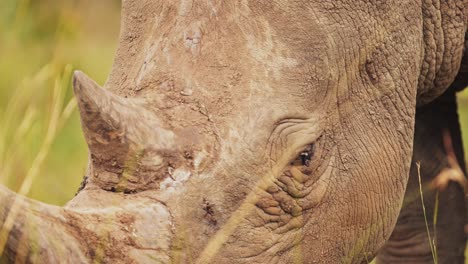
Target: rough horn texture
point(123, 137)
point(258, 131)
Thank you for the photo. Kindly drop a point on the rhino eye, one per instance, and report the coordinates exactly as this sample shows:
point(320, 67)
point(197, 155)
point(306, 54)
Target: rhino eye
point(306, 155)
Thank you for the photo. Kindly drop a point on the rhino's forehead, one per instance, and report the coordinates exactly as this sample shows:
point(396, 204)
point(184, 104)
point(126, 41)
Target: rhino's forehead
point(208, 57)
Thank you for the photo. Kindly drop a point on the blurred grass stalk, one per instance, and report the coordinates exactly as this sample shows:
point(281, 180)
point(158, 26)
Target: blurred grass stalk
point(38, 39)
point(22, 107)
point(33, 114)
point(58, 115)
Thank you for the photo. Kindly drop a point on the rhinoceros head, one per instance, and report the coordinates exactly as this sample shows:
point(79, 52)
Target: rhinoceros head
point(240, 131)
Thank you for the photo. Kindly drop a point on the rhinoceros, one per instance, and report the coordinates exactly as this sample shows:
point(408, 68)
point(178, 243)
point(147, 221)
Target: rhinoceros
point(264, 132)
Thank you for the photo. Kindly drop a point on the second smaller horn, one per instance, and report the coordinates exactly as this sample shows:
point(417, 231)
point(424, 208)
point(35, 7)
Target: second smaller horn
point(122, 134)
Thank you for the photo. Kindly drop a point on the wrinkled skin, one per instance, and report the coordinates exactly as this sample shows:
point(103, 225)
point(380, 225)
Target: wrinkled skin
point(409, 241)
point(251, 132)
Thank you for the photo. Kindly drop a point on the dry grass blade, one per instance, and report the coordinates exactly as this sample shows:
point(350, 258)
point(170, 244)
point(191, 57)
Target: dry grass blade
point(431, 241)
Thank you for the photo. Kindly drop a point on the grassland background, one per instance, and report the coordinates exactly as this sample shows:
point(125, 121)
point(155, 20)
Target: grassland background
point(42, 150)
point(41, 42)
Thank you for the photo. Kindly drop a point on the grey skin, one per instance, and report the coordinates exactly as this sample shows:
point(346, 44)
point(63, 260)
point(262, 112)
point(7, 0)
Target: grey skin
point(197, 140)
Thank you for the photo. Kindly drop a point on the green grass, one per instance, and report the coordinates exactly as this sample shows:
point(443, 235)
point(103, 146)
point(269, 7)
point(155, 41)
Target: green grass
point(41, 42)
point(463, 112)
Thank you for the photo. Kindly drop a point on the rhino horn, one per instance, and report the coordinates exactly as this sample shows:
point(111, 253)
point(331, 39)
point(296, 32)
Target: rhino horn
point(116, 127)
point(104, 119)
point(102, 113)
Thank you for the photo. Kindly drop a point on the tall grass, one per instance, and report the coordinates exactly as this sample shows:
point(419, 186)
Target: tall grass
point(42, 151)
point(432, 239)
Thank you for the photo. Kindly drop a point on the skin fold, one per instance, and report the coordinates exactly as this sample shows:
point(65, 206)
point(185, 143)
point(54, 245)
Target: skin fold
point(437, 139)
point(250, 132)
